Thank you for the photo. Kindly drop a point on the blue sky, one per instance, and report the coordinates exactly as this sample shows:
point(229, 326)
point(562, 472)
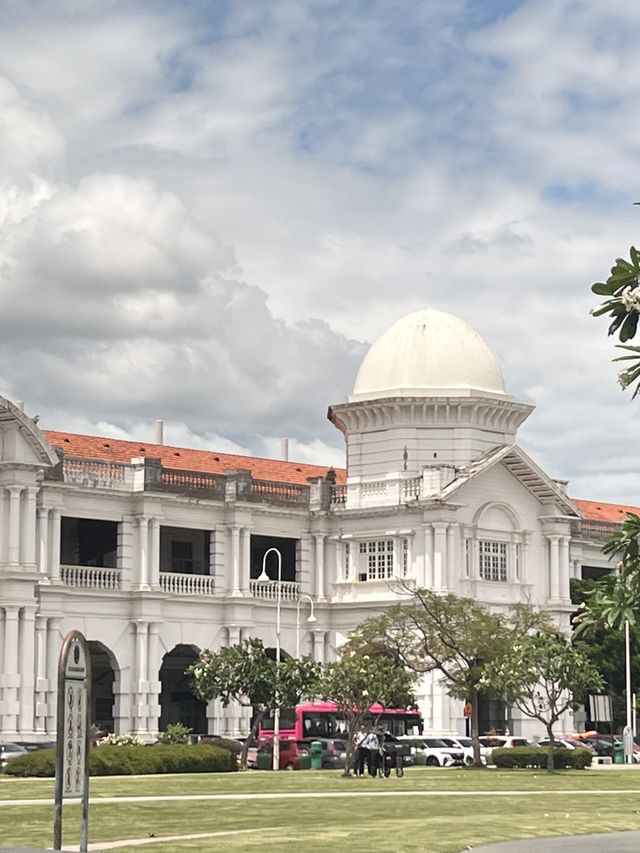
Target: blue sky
point(210, 209)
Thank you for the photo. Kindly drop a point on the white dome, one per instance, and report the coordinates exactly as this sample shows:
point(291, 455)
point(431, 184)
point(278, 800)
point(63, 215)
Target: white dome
point(426, 354)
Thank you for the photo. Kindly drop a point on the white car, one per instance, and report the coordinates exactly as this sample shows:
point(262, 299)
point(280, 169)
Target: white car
point(434, 752)
point(466, 745)
point(491, 742)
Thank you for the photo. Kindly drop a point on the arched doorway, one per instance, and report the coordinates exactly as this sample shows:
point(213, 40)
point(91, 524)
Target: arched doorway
point(177, 702)
point(103, 676)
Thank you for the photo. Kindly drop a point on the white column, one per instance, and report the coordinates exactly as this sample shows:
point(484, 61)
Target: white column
point(29, 528)
point(143, 552)
point(43, 540)
point(319, 561)
point(9, 679)
point(41, 682)
point(140, 708)
point(235, 560)
point(26, 657)
point(440, 554)
point(154, 553)
point(318, 646)
point(234, 711)
point(153, 668)
point(513, 569)
point(565, 569)
point(554, 565)
point(14, 525)
point(524, 555)
point(54, 643)
point(55, 545)
point(429, 581)
point(245, 561)
point(452, 563)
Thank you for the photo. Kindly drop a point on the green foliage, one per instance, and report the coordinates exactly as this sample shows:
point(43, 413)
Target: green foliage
point(40, 762)
point(543, 674)
point(133, 760)
point(537, 757)
point(450, 634)
point(356, 681)
point(175, 733)
point(622, 303)
point(246, 674)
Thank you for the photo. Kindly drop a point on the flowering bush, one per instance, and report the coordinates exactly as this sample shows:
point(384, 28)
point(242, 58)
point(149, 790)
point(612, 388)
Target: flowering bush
point(128, 739)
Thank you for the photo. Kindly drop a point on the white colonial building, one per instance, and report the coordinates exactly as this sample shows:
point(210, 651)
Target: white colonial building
point(154, 552)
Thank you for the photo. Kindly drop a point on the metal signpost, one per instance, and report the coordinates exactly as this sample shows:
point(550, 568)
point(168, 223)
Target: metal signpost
point(72, 752)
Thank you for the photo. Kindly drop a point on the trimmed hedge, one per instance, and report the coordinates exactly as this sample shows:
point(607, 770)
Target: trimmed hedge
point(536, 757)
point(133, 760)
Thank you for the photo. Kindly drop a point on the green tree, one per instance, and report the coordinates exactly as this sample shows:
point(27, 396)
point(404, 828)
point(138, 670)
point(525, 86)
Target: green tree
point(622, 303)
point(542, 674)
point(452, 635)
point(357, 681)
point(246, 674)
point(613, 605)
point(603, 644)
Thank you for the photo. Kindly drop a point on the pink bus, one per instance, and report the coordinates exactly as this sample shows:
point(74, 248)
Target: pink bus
point(322, 719)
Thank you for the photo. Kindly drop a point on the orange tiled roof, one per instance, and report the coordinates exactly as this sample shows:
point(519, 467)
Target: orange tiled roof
point(599, 511)
point(182, 458)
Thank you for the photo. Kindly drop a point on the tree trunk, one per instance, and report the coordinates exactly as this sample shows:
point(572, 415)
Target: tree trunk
point(475, 733)
point(247, 740)
point(550, 762)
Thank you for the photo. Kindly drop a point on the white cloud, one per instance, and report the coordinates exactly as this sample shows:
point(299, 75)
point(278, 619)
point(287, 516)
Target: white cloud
point(206, 211)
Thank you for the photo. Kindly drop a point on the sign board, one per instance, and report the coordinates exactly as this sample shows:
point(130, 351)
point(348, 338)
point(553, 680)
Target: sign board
point(600, 709)
point(72, 758)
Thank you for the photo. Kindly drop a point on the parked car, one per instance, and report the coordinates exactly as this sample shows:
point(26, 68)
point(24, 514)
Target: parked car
point(434, 752)
point(291, 751)
point(466, 745)
point(561, 742)
point(334, 752)
point(9, 751)
point(491, 742)
point(32, 746)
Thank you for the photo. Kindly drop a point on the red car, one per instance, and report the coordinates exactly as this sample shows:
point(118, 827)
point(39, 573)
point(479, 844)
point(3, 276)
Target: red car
point(291, 753)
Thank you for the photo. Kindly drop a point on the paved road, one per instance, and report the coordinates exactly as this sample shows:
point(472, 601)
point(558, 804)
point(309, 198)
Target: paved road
point(615, 842)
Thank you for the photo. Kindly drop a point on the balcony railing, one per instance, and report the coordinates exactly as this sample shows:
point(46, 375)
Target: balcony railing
point(179, 584)
point(290, 590)
point(174, 480)
point(90, 577)
point(589, 528)
point(274, 492)
point(339, 494)
point(96, 473)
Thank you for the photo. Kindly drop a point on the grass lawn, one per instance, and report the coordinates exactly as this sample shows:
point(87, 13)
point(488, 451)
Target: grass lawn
point(430, 810)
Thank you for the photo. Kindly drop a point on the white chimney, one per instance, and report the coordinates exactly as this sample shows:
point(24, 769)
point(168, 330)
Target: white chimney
point(159, 432)
point(284, 449)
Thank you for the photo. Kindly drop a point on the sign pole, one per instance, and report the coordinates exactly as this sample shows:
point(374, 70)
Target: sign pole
point(72, 739)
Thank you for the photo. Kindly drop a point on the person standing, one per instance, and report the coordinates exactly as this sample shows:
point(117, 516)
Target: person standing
point(372, 745)
point(360, 751)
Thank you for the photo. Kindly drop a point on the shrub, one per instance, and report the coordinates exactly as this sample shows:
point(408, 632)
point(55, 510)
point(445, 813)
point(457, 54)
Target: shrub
point(40, 762)
point(175, 733)
point(134, 760)
point(536, 757)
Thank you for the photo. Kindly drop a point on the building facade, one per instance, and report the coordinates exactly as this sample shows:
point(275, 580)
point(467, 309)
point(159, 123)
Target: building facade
point(155, 552)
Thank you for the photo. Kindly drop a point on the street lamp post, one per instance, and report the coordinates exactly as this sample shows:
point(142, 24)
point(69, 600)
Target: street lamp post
point(310, 619)
point(264, 577)
point(627, 738)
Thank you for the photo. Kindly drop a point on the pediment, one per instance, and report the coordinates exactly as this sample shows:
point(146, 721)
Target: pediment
point(21, 442)
point(521, 466)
